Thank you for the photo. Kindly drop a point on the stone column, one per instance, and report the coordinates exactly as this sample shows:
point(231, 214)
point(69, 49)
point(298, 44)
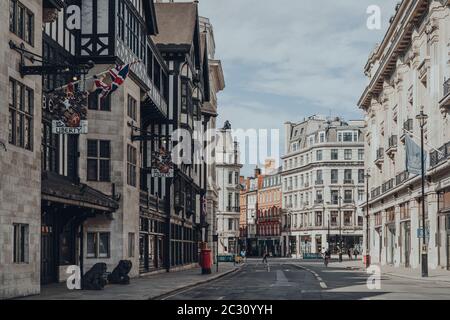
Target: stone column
point(415, 245)
point(398, 241)
point(432, 218)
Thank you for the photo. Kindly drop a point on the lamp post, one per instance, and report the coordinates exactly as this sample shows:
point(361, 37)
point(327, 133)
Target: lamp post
point(340, 228)
point(422, 118)
point(367, 256)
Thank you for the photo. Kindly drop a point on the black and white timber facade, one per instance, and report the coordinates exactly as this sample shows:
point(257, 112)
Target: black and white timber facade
point(97, 199)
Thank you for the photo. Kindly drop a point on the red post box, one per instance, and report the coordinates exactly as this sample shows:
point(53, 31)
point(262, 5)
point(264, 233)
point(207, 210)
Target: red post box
point(367, 261)
point(205, 261)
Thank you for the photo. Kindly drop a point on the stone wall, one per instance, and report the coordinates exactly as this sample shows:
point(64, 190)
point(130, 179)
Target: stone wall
point(20, 183)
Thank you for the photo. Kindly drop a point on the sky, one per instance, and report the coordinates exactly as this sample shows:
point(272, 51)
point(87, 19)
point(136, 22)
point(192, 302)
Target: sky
point(285, 60)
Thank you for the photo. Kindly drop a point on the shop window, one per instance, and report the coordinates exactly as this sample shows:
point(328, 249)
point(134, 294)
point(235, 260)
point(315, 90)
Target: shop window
point(21, 243)
point(98, 245)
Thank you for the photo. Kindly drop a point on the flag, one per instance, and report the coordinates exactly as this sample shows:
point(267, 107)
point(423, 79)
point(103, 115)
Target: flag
point(413, 155)
point(102, 88)
point(118, 75)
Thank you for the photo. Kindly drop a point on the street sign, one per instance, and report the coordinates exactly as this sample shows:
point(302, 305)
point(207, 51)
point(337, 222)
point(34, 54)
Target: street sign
point(420, 233)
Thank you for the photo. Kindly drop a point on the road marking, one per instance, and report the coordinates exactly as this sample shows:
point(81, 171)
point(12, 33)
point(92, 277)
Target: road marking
point(281, 281)
point(322, 283)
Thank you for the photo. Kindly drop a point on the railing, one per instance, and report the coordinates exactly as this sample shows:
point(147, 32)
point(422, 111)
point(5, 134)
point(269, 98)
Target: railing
point(233, 209)
point(401, 177)
point(387, 186)
point(319, 182)
point(349, 181)
point(438, 157)
point(393, 142)
point(375, 192)
point(334, 181)
point(446, 87)
point(347, 201)
point(318, 201)
point(380, 154)
point(408, 125)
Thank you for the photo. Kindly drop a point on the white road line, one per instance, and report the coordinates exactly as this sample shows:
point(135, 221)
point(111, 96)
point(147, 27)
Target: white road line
point(322, 283)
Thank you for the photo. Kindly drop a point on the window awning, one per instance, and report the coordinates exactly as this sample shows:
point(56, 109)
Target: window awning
point(61, 189)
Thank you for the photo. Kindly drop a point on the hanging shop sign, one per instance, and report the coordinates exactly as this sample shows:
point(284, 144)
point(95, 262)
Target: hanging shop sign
point(162, 165)
point(69, 109)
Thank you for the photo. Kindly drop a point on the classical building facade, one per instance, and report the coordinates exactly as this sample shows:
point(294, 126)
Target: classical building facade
point(228, 169)
point(268, 220)
point(248, 212)
point(210, 110)
point(322, 180)
point(408, 73)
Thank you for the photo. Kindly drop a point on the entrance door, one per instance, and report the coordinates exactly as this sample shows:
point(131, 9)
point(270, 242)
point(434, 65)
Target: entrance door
point(48, 266)
point(391, 245)
point(407, 242)
point(448, 251)
point(380, 247)
point(143, 252)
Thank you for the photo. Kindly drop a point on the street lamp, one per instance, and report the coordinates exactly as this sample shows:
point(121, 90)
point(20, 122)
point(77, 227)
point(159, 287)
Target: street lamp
point(340, 228)
point(422, 118)
point(367, 256)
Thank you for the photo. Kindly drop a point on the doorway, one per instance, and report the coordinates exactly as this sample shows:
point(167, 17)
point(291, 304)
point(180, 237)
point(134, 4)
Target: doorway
point(407, 242)
point(48, 250)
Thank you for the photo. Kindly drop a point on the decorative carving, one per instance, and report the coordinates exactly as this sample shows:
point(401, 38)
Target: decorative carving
point(49, 15)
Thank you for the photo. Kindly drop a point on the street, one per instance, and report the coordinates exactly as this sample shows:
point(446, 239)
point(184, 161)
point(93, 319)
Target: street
point(299, 280)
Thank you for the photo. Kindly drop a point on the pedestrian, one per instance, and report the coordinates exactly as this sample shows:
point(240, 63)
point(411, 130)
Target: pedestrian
point(265, 257)
point(355, 252)
point(349, 252)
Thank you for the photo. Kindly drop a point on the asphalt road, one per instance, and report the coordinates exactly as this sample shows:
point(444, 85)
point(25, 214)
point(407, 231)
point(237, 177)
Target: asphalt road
point(296, 280)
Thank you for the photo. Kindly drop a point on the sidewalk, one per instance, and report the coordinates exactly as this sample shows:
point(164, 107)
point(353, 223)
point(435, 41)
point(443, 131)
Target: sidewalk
point(144, 288)
point(437, 276)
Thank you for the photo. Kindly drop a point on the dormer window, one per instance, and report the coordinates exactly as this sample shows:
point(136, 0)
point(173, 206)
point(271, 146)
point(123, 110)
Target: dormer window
point(348, 136)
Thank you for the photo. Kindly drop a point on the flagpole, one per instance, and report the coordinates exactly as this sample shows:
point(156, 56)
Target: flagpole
point(89, 78)
point(438, 151)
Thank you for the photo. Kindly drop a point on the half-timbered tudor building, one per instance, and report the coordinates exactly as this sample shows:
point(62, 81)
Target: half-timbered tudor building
point(185, 51)
point(117, 151)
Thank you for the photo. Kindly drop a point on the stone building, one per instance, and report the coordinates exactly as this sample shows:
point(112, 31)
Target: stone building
point(322, 180)
point(248, 212)
point(228, 168)
point(408, 73)
point(78, 197)
point(20, 152)
point(210, 110)
point(268, 218)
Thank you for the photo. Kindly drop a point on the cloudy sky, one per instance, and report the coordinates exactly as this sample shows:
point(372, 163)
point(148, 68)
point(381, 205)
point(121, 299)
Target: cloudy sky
point(288, 59)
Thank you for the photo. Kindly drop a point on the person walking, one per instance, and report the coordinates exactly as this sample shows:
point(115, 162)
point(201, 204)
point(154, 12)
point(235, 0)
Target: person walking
point(349, 252)
point(355, 252)
point(265, 257)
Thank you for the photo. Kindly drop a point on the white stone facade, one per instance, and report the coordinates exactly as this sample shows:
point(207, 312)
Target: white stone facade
point(322, 181)
point(407, 73)
point(228, 174)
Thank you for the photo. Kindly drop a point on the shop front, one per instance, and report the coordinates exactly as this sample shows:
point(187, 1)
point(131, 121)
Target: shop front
point(65, 207)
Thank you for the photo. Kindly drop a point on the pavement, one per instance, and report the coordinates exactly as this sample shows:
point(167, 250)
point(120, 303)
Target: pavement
point(142, 288)
point(290, 279)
